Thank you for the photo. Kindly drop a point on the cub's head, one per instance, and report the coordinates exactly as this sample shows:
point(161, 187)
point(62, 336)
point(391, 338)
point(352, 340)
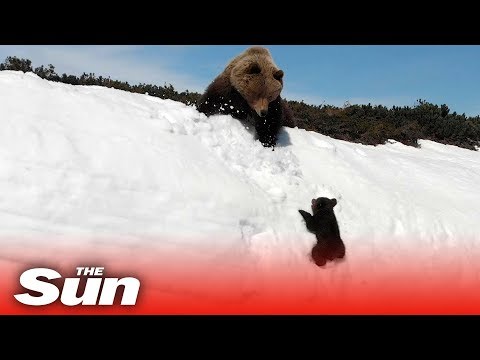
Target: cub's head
point(256, 77)
point(323, 204)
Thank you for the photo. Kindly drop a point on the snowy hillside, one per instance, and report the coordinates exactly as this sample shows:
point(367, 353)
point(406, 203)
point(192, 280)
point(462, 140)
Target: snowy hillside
point(121, 175)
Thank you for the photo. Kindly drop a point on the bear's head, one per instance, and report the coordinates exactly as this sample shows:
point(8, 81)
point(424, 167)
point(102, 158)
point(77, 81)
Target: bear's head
point(323, 204)
point(256, 77)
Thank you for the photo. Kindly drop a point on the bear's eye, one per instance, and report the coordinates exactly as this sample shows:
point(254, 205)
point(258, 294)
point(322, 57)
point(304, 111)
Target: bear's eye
point(254, 69)
point(278, 75)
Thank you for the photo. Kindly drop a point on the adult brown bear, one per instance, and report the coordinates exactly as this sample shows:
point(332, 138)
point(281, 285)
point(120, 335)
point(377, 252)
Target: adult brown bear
point(249, 90)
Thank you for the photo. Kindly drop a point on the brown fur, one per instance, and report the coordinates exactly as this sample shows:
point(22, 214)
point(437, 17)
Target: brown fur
point(259, 91)
point(249, 89)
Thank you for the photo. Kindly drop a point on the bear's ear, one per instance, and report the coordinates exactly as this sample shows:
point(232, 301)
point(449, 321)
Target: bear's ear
point(278, 75)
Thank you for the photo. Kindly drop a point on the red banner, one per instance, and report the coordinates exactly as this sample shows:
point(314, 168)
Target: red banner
point(176, 286)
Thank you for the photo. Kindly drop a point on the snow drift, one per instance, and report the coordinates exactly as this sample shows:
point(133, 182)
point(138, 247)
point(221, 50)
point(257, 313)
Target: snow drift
point(85, 168)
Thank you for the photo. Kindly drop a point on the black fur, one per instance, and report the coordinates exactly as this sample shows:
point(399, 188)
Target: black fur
point(225, 99)
point(324, 225)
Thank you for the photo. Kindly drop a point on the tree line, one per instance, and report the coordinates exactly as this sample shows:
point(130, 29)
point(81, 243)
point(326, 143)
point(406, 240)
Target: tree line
point(365, 124)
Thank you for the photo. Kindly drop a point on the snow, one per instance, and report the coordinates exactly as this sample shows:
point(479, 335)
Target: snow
point(86, 167)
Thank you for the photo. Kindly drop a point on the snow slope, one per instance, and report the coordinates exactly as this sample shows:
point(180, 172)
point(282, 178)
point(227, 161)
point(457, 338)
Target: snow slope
point(152, 180)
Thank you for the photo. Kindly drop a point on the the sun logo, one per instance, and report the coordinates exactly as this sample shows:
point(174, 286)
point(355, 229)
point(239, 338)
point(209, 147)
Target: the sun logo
point(98, 290)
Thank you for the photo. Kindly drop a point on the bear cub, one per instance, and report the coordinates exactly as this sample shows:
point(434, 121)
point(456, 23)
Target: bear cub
point(324, 225)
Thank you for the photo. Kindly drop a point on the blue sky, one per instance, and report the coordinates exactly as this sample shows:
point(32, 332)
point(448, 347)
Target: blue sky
point(387, 75)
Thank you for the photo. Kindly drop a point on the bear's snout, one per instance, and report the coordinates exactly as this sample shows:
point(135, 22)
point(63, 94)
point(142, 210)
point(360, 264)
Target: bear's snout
point(260, 106)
